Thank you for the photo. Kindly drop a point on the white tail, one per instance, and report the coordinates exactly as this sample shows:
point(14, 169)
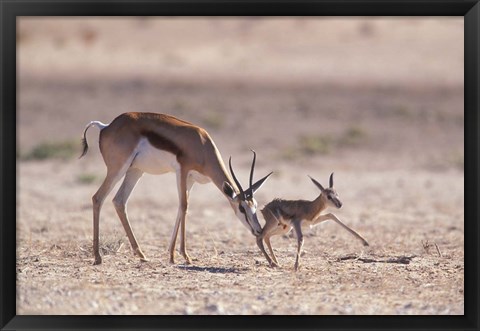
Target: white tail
point(99, 125)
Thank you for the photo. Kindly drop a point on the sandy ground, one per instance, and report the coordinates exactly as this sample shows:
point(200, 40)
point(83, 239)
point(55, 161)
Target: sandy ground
point(380, 102)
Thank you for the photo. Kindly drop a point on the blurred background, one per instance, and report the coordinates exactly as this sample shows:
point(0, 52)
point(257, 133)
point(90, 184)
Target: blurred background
point(377, 100)
point(290, 87)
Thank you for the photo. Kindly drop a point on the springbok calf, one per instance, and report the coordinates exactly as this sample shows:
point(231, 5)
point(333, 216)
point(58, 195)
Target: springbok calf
point(135, 143)
point(283, 215)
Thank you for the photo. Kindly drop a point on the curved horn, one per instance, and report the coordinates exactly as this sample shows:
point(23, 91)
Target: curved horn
point(331, 180)
point(253, 167)
point(242, 194)
point(317, 183)
point(257, 185)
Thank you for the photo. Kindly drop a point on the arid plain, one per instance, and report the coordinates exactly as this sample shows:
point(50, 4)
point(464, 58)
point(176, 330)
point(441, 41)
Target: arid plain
point(378, 101)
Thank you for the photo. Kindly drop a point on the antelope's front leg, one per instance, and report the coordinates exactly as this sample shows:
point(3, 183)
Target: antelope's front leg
point(262, 248)
point(270, 248)
point(173, 240)
point(270, 228)
point(183, 187)
point(183, 237)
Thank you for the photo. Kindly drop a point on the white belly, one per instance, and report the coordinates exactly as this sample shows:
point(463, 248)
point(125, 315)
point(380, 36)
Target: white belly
point(153, 160)
point(156, 161)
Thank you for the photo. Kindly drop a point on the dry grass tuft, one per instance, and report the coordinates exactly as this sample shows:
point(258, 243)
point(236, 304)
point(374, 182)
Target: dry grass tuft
point(109, 245)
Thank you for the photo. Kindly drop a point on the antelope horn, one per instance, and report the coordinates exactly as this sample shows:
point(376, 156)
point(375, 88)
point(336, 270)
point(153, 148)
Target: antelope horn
point(253, 167)
point(331, 180)
point(242, 194)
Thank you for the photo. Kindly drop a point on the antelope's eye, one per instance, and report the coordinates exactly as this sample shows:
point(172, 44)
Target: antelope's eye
point(329, 198)
point(242, 210)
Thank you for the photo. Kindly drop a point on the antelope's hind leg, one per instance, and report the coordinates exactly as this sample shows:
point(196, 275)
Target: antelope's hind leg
point(113, 176)
point(120, 202)
point(298, 231)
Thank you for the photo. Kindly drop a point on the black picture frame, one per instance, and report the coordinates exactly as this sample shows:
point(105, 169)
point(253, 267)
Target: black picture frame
point(10, 10)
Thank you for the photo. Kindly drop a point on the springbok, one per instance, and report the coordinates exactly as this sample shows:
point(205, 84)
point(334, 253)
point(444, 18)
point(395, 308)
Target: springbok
point(283, 215)
point(137, 143)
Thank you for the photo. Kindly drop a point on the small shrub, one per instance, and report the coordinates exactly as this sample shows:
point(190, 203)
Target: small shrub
point(213, 120)
point(86, 178)
point(179, 105)
point(446, 161)
point(288, 154)
point(309, 145)
point(354, 136)
point(402, 111)
point(110, 245)
point(58, 150)
point(458, 160)
point(315, 144)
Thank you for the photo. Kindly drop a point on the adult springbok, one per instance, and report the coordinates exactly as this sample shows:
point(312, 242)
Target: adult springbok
point(137, 143)
point(283, 215)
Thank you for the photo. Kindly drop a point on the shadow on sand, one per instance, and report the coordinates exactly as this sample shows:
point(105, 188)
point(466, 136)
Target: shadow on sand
point(214, 270)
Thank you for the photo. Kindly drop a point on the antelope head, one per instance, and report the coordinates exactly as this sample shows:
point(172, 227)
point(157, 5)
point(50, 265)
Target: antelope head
point(329, 194)
point(243, 202)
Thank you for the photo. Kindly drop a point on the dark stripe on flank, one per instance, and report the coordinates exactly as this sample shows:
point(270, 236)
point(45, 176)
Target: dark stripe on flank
point(161, 142)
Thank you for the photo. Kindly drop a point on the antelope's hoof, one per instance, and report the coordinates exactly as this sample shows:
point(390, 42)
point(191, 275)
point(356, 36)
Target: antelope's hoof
point(140, 254)
point(98, 260)
point(188, 259)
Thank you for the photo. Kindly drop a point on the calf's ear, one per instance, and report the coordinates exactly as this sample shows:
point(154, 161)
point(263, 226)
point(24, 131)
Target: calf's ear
point(317, 184)
point(331, 180)
point(257, 185)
